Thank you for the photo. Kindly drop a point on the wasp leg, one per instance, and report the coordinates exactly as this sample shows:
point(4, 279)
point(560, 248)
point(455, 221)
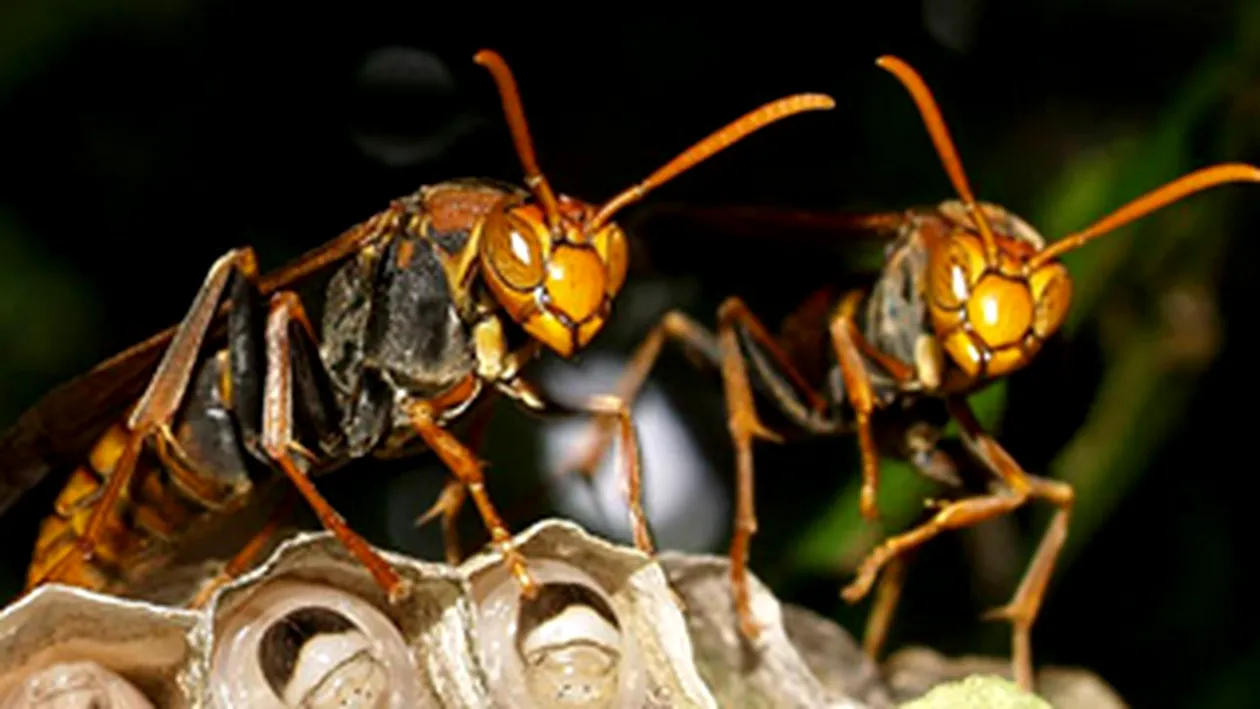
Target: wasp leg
point(451, 500)
point(887, 596)
point(1024, 606)
point(244, 389)
point(448, 505)
point(468, 469)
point(606, 408)
point(850, 347)
point(160, 402)
point(1020, 486)
point(281, 446)
point(675, 326)
point(245, 558)
point(724, 350)
point(919, 447)
point(697, 339)
point(953, 515)
point(632, 472)
point(744, 427)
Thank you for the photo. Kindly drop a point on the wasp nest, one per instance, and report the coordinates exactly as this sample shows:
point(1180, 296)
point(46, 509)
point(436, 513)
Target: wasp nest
point(308, 629)
point(63, 648)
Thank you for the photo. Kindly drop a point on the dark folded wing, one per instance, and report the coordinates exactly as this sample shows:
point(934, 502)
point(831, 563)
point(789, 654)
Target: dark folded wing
point(62, 425)
point(825, 229)
point(60, 428)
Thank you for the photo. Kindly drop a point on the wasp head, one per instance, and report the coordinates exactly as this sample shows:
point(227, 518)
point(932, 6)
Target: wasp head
point(555, 263)
point(993, 315)
point(995, 293)
point(557, 283)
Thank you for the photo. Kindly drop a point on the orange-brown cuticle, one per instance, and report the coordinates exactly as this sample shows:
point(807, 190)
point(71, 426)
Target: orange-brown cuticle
point(985, 314)
point(575, 282)
point(555, 282)
point(572, 301)
point(989, 332)
point(1000, 310)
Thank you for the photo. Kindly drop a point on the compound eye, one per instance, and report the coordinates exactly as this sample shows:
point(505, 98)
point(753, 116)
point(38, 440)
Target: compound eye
point(954, 267)
point(614, 251)
point(513, 250)
point(1052, 294)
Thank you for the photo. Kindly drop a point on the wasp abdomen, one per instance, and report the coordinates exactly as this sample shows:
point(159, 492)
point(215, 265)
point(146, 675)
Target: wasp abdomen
point(195, 472)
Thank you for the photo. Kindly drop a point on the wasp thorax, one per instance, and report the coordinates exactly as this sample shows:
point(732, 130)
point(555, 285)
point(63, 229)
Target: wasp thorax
point(557, 281)
point(993, 317)
point(298, 645)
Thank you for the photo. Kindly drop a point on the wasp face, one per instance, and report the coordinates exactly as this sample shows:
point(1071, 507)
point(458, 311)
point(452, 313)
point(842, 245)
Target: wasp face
point(556, 283)
point(992, 318)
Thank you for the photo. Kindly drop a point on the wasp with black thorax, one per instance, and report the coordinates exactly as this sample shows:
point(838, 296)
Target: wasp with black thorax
point(442, 297)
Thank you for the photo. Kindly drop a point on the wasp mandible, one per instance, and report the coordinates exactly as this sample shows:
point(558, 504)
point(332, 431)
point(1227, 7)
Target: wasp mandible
point(968, 294)
point(442, 297)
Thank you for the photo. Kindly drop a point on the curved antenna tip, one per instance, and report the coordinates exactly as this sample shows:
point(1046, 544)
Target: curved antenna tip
point(886, 59)
point(484, 56)
point(1253, 172)
point(1175, 191)
point(822, 101)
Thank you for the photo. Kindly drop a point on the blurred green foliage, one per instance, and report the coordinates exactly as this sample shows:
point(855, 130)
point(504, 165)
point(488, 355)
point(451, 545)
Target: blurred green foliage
point(42, 337)
point(34, 31)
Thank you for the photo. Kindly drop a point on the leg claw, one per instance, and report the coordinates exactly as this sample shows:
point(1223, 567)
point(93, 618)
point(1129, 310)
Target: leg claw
point(526, 580)
point(592, 453)
point(529, 587)
point(858, 589)
point(400, 591)
point(1009, 612)
point(749, 627)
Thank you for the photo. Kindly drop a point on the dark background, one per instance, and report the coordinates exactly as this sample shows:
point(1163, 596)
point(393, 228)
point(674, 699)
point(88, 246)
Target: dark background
point(140, 139)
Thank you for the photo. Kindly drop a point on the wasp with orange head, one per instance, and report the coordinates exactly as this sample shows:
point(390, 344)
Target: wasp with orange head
point(442, 297)
point(968, 294)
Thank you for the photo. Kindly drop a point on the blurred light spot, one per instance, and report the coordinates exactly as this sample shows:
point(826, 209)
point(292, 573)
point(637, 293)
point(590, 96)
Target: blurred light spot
point(687, 506)
point(405, 112)
point(1191, 325)
point(952, 22)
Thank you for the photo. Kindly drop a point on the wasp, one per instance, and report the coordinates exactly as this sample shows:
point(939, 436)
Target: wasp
point(434, 303)
point(968, 293)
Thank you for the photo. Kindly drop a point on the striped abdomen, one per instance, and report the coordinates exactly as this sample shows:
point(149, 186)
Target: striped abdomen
point(181, 481)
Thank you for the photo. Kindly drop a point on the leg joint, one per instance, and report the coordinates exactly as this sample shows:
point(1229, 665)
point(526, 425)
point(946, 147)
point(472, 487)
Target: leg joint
point(731, 309)
point(675, 322)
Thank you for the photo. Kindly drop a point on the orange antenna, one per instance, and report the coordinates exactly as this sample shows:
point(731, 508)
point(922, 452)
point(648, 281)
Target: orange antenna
point(716, 142)
point(944, 144)
point(1173, 191)
point(515, 113)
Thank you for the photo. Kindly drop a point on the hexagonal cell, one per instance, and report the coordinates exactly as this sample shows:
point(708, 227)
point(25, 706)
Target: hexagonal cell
point(310, 628)
point(605, 630)
point(62, 646)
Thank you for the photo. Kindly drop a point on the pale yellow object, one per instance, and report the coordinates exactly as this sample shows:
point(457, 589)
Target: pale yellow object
point(978, 692)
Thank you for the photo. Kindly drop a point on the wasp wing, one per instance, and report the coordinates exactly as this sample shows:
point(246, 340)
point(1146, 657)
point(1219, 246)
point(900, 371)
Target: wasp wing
point(802, 227)
point(740, 244)
point(60, 428)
